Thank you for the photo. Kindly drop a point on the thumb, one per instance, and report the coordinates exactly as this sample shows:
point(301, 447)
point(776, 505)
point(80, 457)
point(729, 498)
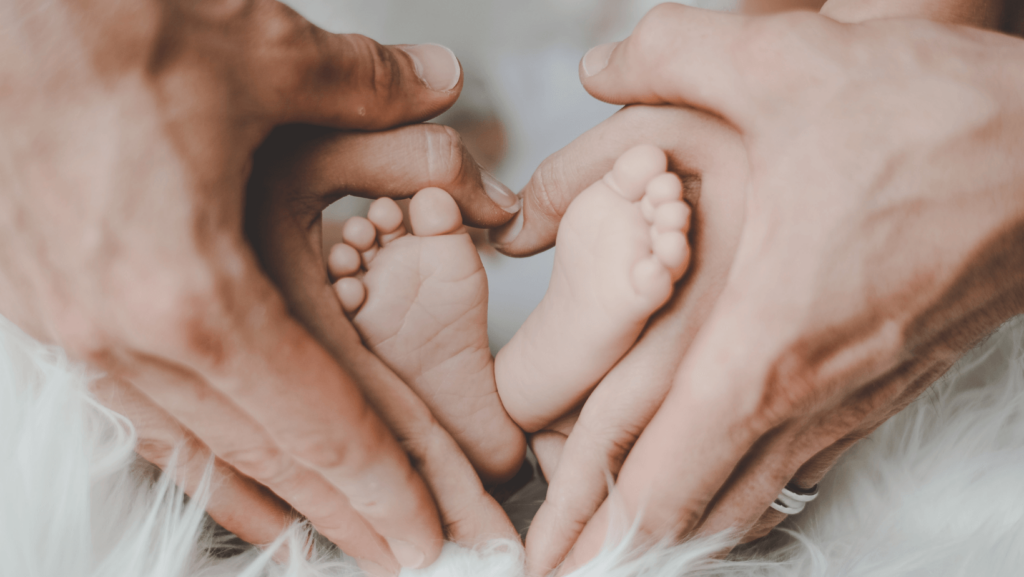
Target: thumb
point(350, 81)
point(733, 66)
point(695, 142)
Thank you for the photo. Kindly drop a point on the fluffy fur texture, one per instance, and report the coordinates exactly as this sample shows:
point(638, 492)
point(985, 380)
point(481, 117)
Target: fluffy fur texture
point(937, 491)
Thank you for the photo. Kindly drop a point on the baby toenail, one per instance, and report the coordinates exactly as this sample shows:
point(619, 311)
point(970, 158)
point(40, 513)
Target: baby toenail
point(499, 193)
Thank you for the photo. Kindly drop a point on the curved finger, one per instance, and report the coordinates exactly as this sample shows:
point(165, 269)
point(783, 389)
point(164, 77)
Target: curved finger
point(243, 342)
point(694, 141)
point(904, 385)
point(575, 491)
point(317, 167)
point(239, 440)
point(548, 444)
point(469, 514)
point(705, 426)
point(600, 439)
point(308, 75)
point(236, 502)
point(316, 412)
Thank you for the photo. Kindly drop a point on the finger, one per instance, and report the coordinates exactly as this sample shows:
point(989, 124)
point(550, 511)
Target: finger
point(706, 425)
point(675, 55)
point(243, 341)
point(814, 470)
point(323, 166)
point(695, 143)
point(803, 452)
point(237, 439)
point(547, 445)
point(603, 435)
point(470, 515)
point(757, 481)
point(317, 413)
point(307, 75)
point(235, 502)
point(985, 14)
point(575, 490)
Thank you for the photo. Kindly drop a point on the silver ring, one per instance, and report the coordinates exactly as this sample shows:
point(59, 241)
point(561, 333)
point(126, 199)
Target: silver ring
point(793, 499)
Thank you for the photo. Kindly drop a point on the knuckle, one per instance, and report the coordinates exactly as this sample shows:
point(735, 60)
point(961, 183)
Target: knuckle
point(171, 451)
point(777, 53)
point(267, 464)
point(446, 160)
point(157, 452)
point(284, 35)
point(329, 454)
point(548, 190)
point(326, 457)
point(788, 388)
point(85, 340)
point(374, 69)
point(651, 32)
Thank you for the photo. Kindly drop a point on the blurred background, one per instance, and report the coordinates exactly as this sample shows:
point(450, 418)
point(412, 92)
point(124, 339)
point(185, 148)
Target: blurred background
point(521, 100)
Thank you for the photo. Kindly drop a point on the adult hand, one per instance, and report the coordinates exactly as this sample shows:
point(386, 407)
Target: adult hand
point(618, 411)
point(127, 135)
point(843, 302)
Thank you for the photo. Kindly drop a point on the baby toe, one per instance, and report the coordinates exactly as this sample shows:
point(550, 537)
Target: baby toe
point(665, 187)
point(652, 280)
point(433, 212)
point(344, 260)
point(673, 252)
point(351, 292)
point(635, 169)
point(672, 216)
point(386, 216)
point(360, 233)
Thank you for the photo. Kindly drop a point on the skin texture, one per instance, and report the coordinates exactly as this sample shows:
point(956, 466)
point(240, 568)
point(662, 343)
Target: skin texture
point(127, 137)
point(778, 379)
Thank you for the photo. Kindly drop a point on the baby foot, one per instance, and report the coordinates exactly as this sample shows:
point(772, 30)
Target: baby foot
point(620, 248)
point(419, 301)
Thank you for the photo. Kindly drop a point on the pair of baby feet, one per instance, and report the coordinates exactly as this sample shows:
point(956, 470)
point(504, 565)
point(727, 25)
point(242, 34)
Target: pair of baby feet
point(419, 301)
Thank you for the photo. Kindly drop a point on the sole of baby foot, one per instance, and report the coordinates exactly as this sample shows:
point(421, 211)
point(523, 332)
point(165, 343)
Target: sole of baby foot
point(419, 302)
point(620, 249)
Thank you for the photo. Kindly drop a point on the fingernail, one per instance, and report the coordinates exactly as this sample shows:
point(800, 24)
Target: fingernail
point(508, 232)
point(436, 65)
point(374, 569)
point(596, 59)
point(407, 554)
point(499, 193)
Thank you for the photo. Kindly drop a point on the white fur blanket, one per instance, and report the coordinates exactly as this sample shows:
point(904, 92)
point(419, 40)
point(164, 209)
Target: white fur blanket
point(938, 491)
